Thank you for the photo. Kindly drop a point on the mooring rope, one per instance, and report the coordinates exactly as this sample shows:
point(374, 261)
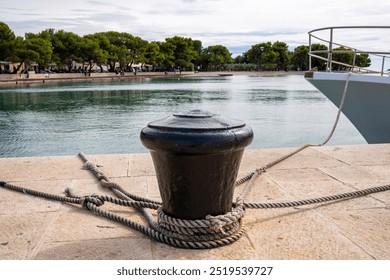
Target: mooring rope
point(275, 162)
point(211, 232)
point(207, 233)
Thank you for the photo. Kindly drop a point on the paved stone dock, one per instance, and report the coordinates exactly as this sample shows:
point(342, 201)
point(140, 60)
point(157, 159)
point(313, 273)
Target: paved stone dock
point(35, 228)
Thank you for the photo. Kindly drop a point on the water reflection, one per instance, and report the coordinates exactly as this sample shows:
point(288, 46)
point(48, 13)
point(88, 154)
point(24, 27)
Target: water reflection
point(265, 95)
point(108, 117)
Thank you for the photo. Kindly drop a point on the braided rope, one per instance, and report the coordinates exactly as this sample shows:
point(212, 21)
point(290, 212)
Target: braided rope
point(211, 232)
point(323, 199)
point(75, 200)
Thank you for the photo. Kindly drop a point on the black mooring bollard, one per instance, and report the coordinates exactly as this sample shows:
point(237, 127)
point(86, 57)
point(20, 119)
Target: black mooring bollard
point(196, 156)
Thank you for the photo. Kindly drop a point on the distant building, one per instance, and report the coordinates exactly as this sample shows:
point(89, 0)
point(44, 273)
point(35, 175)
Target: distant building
point(7, 67)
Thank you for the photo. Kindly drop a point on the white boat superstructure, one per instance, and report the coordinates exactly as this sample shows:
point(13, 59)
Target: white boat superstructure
point(367, 100)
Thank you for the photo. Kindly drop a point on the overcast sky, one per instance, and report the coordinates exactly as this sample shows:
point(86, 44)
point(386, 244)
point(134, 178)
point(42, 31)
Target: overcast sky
point(236, 24)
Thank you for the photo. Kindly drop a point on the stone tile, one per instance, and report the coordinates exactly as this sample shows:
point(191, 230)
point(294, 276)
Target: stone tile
point(100, 249)
point(18, 203)
point(21, 234)
point(297, 175)
point(141, 165)
point(82, 187)
point(351, 174)
point(79, 224)
point(300, 238)
point(381, 173)
point(350, 229)
point(263, 190)
point(133, 185)
point(300, 235)
point(373, 154)
point(307, 186)
point(239, 250)
point(331, 188)
point(306, 158)
point(111, 165)
point(43, 168)
point(368, 229)
point(254, 158)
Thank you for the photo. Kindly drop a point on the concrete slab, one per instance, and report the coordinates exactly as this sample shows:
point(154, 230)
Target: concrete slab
point(355, 229)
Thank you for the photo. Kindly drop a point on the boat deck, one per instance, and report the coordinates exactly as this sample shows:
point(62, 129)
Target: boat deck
point(355, 229)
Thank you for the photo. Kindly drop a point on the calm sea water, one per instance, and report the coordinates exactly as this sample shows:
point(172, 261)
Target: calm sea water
point(105, 118)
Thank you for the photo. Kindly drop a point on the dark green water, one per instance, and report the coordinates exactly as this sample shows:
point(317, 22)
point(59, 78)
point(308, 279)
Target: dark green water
point(105, 118)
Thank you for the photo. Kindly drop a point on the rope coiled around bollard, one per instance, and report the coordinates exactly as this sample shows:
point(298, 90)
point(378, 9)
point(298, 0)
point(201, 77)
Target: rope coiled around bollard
point(195, 234)
point(211, 232)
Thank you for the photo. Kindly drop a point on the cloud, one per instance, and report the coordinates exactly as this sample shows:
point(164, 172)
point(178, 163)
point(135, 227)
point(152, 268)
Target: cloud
point(235, 24)
point(108, 4)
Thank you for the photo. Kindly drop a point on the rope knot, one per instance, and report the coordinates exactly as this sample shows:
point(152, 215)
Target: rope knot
point(94, 199)
point(221, 222)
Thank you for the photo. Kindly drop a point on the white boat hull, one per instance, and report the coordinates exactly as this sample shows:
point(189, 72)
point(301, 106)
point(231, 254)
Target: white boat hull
point(367, 104)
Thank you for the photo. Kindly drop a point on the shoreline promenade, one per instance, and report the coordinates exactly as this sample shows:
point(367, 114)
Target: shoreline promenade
point(352, 229)
point(15, 80)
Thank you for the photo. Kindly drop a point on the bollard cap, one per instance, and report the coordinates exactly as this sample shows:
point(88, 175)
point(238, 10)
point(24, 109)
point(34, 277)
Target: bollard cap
point(196, 131)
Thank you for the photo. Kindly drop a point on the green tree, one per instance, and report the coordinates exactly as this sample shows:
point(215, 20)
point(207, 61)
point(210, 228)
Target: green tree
point(117, 50)
point(255, 54)
point(184, 52)
point(33, 49)
point(342, 55)
point(270, 61)
point(104, 44)
point(153, 55)
point(239, 59)
point(263, 56)
point(167, 53)
point(197, 44)
point(66, 48)
point(40, 47)
point(300, 58)
point(319, 63)
point(7, 41)
point(90, 52)
point(215, 58)
point(282, 61)
point(137, 49)
point(363, 60)
point(347, 56)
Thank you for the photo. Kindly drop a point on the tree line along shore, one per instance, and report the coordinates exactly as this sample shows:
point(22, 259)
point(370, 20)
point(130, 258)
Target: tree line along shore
point(59, 51)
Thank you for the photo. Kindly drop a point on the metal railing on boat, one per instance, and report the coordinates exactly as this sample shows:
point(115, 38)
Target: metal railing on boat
point(334, 47)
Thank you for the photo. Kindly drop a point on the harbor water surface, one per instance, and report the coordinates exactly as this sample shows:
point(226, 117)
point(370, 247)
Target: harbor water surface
point(107, 117)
